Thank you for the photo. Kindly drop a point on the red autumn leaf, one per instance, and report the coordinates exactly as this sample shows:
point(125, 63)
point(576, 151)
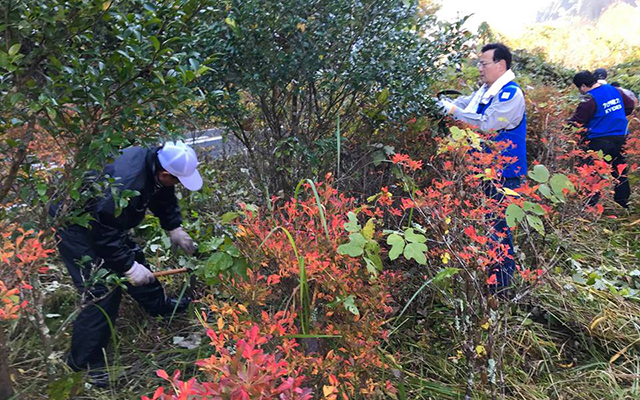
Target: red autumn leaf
point(621, 168)
point(400, 158)
point(162, 374)
point(414, 165)
point(493, 280)
point(159, 392)
point(470, 231)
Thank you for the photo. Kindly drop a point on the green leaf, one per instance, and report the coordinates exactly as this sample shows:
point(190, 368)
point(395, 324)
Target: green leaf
point(445, 273)
point(539, 173)
point(378, 157)
point(350, 305)
point(536, 223)
point(514, 214)
point(220, 262)
point(203, 69)
point(545, 190)
point(372, 268)
point(413, 237)
point(228, 217)
point(67, 387)
point(159, 76)
point(355, 247)
point(155, 42)
point(15, 98)
point(397, 245)
point(13, 50)
point(231, 250)
point(558, 183)
point(41, 188)
point(128, 194)
point(83, 220)
point(533, 208)
point(352, 225)
point(240, 267)
point(383, 96)
point(372, 258)
point(417, 252)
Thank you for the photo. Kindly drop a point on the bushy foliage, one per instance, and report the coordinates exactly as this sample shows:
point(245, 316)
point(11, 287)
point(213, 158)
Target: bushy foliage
point(627, 74)
point(328, 270)
point(285, 72)
point(80, 80)
point(245, 373)
point(535, 66)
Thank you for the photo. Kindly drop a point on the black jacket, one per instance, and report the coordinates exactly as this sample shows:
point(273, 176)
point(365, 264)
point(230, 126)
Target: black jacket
point(133, 170)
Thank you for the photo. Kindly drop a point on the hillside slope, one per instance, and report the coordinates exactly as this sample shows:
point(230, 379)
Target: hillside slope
point(588, 9)
point(585, 33)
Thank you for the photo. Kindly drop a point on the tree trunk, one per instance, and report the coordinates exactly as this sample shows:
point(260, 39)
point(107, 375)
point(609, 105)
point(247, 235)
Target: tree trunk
point(6, 386)
point(18, 158)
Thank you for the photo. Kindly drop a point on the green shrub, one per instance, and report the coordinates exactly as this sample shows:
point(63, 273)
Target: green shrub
point(286, 70)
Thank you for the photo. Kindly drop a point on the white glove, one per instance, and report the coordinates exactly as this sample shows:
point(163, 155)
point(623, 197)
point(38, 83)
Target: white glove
point(180, 238)
point(139, 275)
point(445, 107)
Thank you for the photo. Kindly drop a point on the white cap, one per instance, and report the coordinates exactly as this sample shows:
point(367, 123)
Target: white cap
point(181, 161)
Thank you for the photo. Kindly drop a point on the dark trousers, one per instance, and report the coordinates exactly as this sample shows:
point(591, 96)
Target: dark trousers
point(95, 324)
point(501, 234)
point(613, 146)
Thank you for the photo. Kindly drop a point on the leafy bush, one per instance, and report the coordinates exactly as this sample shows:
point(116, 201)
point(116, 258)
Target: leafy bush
point(627, 75)
point(84, 81)
point(246, 373)
point(285, 71)
point(536, 66)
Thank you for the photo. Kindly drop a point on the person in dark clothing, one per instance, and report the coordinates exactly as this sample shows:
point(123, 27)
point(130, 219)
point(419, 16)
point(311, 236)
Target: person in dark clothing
point(601, 75)
point(602, 112)
point(106, 244)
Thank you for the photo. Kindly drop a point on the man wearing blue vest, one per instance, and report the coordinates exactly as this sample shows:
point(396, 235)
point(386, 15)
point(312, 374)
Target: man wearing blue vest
point(498, 106)
point(603, 113)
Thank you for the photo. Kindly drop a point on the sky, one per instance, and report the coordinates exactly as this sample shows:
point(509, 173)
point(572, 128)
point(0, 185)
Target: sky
point(507, 16)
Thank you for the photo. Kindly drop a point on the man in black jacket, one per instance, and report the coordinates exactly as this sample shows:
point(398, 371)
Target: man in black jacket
point(153, 173)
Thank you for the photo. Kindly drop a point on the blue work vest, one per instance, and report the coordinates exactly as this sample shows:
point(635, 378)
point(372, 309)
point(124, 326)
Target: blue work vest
point(610, 118)
point(517, 136)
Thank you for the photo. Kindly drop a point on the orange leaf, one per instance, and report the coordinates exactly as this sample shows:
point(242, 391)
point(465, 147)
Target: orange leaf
point(328, 390)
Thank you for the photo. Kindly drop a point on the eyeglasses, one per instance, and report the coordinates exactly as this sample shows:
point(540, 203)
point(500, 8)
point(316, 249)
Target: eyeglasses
point(481, 64)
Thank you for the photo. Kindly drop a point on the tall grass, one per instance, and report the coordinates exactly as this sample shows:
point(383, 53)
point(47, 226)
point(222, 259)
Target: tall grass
point(323, 219)
point(305, 301)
